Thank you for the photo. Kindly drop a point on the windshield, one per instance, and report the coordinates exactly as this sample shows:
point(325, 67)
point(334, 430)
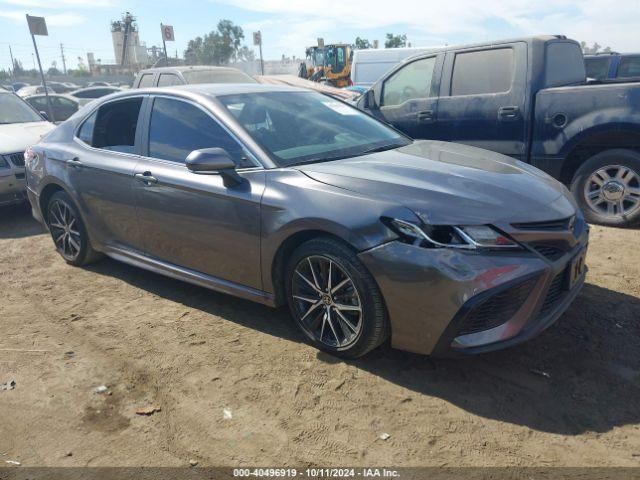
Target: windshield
point(15, 110)
point(216, 76)
point(305, 127)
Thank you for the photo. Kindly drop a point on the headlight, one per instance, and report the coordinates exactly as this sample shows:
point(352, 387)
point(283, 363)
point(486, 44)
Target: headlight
point(468, 237)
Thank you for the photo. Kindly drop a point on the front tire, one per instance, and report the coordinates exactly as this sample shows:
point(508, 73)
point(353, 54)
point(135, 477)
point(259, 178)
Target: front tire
point(68, 231)
point(607, 188)
point(334, 300)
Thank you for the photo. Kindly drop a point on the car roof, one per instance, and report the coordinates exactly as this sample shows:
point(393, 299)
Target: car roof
point(189, 69)
point(217, 89)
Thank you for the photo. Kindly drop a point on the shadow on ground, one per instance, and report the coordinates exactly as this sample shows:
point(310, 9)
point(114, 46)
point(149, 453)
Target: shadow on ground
point(582, 374)
point(16, 222)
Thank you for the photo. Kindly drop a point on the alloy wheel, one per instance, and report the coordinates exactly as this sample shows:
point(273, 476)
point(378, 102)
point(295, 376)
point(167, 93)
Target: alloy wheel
point(613, 191)
point(64, 230)
point(326, 301)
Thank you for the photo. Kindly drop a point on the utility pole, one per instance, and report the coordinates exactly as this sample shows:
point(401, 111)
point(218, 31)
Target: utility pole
point(64, 64)
point(13, 65)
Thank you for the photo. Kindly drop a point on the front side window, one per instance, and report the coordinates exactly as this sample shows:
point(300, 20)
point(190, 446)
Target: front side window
point(482, 72)
point(410, 82)
point(629, 67)
point(177, 128)
point(14, 110)
point(168, 79)
point(146, 80)
point(305, 127)
point(113, 126)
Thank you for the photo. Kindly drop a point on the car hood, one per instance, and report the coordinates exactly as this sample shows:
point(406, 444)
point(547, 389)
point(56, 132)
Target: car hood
point(448, 183)
point(16, 137)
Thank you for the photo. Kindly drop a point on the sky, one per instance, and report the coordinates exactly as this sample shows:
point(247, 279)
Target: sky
point(288, 26)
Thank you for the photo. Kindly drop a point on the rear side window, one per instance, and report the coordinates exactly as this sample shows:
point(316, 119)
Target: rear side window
point(629, 67)
point(168, 79)
point(485, 71)
point(564, 64)
point(410, 82)
point(177, 128)
point(113, 126)
point(146, 80)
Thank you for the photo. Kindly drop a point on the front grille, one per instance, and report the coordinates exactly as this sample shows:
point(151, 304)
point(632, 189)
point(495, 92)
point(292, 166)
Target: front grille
point(16, 158)
point(497, 309)
point(549, 251)
point(553, 225)
point(554, 294)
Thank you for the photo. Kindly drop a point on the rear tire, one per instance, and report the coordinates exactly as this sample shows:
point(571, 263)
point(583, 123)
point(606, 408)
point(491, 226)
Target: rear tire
point(68, 231)
point(334, 300)
point(607, 188)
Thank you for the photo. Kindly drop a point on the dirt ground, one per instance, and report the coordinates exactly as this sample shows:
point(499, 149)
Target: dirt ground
point(570, 397)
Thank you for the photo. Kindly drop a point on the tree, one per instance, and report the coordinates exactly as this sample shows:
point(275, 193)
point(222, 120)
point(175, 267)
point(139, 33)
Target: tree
point(594, 49)
point(246, 54)
point(395, 41)
point(362, 43)
point(18, 71)
point(218, 47)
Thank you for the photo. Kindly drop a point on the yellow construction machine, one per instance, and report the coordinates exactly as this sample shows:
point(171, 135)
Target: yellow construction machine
point(328, 64)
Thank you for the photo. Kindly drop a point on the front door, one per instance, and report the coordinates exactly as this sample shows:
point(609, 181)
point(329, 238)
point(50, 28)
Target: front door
point(408, 98)
point(193, 220)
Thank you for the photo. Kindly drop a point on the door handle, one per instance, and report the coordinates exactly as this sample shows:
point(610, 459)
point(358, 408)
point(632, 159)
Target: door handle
point(425, 116)
point(146, 178)
point(74, 162)
point(509, 113)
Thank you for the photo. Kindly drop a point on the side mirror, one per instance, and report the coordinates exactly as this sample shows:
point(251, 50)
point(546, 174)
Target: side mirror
point(214, 160)
point(370, 99)
point(44, 115)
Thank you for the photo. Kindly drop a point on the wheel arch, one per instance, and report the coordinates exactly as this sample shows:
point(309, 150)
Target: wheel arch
point(595, 140)
point(284, 250)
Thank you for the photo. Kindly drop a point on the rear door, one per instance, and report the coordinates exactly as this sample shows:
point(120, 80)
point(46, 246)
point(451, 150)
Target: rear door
point(193, 220)
point(408, 97)
point(483, 98)
point(100, 165)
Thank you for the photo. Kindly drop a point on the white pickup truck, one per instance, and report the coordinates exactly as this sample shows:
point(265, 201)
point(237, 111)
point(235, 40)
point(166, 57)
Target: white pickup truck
point(20, 127)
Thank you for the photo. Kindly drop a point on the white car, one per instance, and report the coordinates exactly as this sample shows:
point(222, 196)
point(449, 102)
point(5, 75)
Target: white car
point(20, 127)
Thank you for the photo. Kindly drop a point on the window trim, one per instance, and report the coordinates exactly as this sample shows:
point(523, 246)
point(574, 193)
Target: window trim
point(432, 93)
point(141, 116)
point(455, 54)
point(144, 151)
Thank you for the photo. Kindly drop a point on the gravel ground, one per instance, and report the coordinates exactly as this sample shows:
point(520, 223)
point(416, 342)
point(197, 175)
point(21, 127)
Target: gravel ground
point(236, 385)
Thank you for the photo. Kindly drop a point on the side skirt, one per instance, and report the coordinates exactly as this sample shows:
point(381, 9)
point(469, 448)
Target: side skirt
point(190, 276)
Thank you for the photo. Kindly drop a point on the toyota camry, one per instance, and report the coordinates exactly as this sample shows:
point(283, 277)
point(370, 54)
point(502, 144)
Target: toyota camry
point(288, 197)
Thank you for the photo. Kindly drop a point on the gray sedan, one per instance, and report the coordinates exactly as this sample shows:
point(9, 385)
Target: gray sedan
point(285, 196)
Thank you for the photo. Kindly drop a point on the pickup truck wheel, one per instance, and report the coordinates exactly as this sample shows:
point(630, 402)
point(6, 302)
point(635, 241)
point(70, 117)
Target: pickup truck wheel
point(607, 188)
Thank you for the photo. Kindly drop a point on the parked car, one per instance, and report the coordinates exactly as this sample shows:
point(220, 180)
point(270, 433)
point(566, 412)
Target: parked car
point(369, 65)
point(18, 85)
point(20, 127)
point(613, 66)
point(34, 90)
point(168, 76)
point(527, 98)
point(63, 106)
point(60, 87)
point(282, 196)
point(98, 84)
point(86, 95)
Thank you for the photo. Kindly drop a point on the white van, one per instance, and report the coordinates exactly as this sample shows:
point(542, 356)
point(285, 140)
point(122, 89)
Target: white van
point(369, 65)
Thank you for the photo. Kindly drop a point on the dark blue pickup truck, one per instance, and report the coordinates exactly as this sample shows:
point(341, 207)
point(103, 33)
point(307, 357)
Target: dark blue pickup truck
point(527, 98)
